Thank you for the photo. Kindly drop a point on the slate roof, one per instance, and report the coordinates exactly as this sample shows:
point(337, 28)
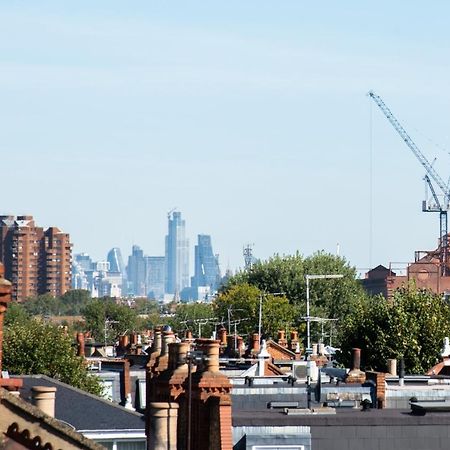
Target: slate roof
point(82, 410)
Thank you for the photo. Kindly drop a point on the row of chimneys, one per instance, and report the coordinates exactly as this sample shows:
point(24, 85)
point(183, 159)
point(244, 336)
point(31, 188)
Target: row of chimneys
point(127, 344)
point(228, 343)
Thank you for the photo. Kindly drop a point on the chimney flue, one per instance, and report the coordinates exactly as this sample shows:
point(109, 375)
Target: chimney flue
point(44, 398)
point(80, 344)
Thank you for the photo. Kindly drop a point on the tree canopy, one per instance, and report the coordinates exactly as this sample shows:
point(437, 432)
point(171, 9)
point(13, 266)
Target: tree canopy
point(197, 317)
point(70, 304)
point(34, 347)
point(241, 302)
point(106, 313)
point(331, 298)
point(412, 325)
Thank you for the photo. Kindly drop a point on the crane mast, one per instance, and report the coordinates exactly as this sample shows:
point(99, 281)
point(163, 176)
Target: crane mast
point(441, 207)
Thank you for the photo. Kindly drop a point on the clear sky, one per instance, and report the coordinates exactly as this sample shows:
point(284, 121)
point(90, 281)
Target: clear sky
point(250, 117)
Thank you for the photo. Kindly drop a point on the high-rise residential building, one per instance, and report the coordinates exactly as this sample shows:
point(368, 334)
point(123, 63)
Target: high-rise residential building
point(177, 255)
point(207, 272)
point(58, 266)
point(36, 261)
point(156, 270)
point(136, 272)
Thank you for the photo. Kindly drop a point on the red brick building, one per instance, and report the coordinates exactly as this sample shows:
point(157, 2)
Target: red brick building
point(426, 272)
point(37, 261)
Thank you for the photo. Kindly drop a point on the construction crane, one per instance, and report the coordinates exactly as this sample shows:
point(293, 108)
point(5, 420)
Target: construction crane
point(170, 212)
point(440, 206)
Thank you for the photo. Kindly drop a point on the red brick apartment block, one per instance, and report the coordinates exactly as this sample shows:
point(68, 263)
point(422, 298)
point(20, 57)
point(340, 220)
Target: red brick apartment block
point(36, 261)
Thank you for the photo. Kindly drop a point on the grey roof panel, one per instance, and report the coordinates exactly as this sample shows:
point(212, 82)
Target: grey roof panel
point(83, 410)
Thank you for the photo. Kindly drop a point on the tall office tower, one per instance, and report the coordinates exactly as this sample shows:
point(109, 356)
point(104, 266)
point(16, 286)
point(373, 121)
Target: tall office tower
point(84, 261)
point(207, 272)
point(82, 271)
point(156, 271)
point(115, 260)
point(177, 255)
point(136, 272)
point(35, 261)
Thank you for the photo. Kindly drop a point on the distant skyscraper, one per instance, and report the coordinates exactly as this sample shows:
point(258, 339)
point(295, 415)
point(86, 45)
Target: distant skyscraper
point(177, 255)
point(84, 261)
point(36, 261)
point(207, 272)
point(136, 272)
point(156, 271)
point(115, 260)
point(95, 277)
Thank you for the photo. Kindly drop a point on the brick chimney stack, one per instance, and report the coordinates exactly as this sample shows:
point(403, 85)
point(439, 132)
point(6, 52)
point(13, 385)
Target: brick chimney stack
point(255, 344)
point(123, 342)
point(356, 375)
point(211, 403)
point(294, 340)
point(188, 336)
point(223, 336)
point(282, 339)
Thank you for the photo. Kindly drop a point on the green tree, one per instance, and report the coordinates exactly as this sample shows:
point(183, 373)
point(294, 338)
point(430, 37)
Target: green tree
point(16, 313)
point(331, 298)
point(34, 347)
point(241, 301)
point(413, 325)
point(187, 315)
point(43, 305)
point(146, 306)
point(102, 313)
point(74, 301)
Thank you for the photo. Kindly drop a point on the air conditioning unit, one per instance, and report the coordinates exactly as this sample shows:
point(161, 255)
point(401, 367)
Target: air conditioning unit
point(301, 369)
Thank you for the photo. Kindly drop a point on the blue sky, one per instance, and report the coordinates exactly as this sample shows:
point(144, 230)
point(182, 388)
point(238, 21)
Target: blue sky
point(250, 117)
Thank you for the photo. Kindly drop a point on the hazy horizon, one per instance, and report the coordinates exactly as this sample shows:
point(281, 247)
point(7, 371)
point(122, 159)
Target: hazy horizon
point(251, 119)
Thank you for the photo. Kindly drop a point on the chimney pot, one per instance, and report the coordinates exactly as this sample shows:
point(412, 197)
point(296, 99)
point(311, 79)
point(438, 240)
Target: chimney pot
point(44, 398)
point(356, 358)
point(80, 342)
point(255, 342)
point(223, 336)
point(392, 367)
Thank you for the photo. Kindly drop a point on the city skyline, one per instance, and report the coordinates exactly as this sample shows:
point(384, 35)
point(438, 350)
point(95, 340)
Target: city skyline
point(155, 276)
point(250, 118)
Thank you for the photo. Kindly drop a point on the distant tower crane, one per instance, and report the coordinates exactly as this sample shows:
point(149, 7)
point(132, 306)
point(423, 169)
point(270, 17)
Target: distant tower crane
point(440, 206)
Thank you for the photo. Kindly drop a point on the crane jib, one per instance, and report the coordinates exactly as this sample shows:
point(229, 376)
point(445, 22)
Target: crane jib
point(410, 143)
point(441, 207)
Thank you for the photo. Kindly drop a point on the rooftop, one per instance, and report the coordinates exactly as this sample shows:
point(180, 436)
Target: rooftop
point(82, 410)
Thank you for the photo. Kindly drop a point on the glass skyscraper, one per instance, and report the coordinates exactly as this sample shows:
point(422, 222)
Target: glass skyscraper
point(207, 272)
point(115, 260)
point(177, 255)
point(155, 276)
point(136, 272)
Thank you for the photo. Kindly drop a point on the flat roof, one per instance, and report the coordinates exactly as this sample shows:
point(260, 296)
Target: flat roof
point(343, 417)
